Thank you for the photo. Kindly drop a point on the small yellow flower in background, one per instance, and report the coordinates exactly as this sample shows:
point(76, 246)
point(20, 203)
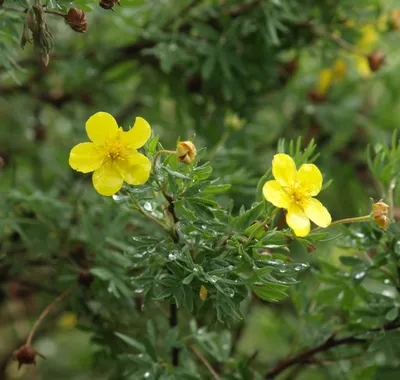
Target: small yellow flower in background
point(112, 154)
point(203, 293)
point(325, 79)
point(186, 152)
point(293, 190)
point(379, 213)
point(68, 320)
point(339, 69)
point(367, 42)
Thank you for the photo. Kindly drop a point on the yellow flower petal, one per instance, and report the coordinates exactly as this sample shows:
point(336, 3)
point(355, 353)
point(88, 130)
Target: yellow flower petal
point(85, 157)
point(101, 126)
point(339, 69)
point(298, 221)
point(314, 210)
point(274, 193)
point(138, 135)
point(325, 79)
point(284, 169)
point(310, 179)
point(136, 170)
point(107, 180)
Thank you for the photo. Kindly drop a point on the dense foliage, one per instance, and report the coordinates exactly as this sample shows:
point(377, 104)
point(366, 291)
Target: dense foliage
point(193, 273)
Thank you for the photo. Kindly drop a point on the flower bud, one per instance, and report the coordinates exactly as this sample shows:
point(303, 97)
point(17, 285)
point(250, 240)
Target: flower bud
point(376, 59)
point(394, 19)
point(26, 355)
point(85, 278)
point(186, 152)
point(108, 4)
point(77, 20)
point(203, 293)
point(380, 214)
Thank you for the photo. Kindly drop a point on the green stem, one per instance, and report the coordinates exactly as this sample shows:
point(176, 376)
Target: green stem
point(158, 154)
point(358, 219)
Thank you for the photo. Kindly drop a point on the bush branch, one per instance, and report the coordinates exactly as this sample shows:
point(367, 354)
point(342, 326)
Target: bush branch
point(307, 356)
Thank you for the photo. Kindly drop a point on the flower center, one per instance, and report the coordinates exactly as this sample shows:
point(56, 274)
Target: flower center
point(114, 149)
point(296, 195)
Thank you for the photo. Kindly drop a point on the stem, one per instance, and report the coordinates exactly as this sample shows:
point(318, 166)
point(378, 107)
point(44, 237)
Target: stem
point(24, 10)
point(158, 154)
point(307, 356)
point(365, 218)
point(204, 360)
point(55, 13)
point(339, 41)
point(173, 322)
point(43, 314)
point(147, 215)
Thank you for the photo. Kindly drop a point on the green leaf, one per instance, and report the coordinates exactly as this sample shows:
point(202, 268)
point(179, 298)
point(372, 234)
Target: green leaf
point(175, 173)
point(131, 342)
point(240, 223)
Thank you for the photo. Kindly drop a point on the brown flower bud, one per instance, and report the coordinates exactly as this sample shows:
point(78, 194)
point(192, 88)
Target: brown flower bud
point(316, 97)
point(380, 214)
point(376, 59)
point(186, 152)
point(26, 355)
point(77, 20)
point(203, 293)
point(2, 163)
point(287, 70)
point(109, 4)
point(311, 248)
point(39, 132)
point(85, 278)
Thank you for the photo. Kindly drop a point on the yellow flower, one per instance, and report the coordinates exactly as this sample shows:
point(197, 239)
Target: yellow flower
point(112, 154)
point(339, 69)
point(68, 320)
point(325, 79)
point(186, 152)
point(294, 191)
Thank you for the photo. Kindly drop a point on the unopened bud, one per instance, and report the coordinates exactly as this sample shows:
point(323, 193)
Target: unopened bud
point(108, 4)
point(203, 293)
point(316, 97)
point(85, 278)
point(26, 355)
point(380, 214)
point(186, 152)
point(394, 19)
point(77, 20)
point(376, 59)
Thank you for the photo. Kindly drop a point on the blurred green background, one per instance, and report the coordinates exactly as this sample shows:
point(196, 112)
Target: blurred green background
point(236, 75)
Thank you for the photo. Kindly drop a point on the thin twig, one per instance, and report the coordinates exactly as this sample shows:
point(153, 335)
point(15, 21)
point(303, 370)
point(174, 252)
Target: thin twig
point(147, 215)
point(358, 219)
point(24, 10)
point(307, 356)
point(43, 315)
point(204, 360)
point(339, 41)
